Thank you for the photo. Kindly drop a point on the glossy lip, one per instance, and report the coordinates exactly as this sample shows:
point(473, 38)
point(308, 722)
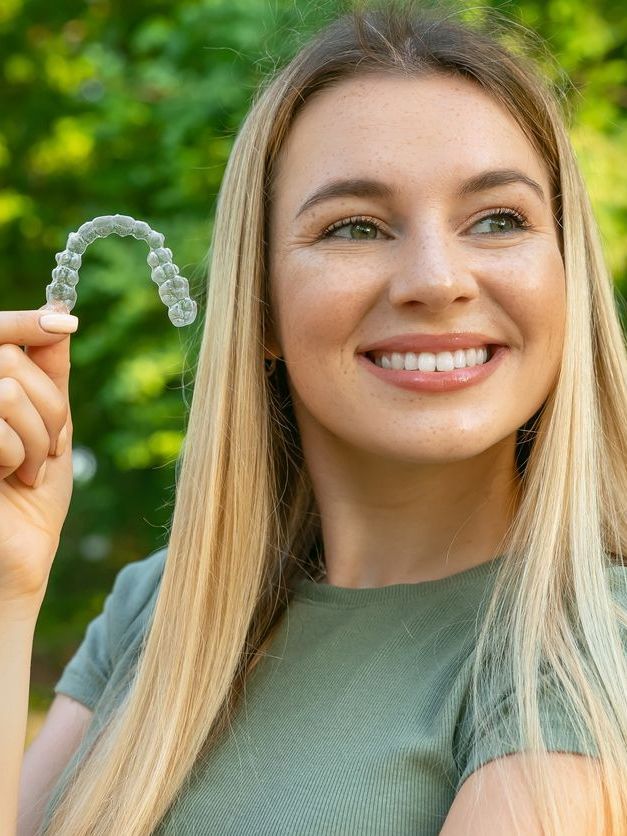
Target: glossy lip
point(430, 342)
point(417, 381)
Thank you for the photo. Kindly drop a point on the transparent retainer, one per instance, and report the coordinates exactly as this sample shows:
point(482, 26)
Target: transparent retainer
point(173, 288)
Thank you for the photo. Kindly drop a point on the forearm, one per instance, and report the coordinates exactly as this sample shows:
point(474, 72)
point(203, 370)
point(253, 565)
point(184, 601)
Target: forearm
point(16, 647)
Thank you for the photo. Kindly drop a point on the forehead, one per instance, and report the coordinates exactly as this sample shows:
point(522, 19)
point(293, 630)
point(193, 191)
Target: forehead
point(429, 131)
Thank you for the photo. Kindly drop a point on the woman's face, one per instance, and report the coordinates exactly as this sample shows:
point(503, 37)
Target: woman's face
point(440, 250)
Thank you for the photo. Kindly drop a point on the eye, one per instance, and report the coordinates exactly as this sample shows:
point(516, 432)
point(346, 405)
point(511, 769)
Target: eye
point(364, 228)
point(360, 228)
point(502, 221)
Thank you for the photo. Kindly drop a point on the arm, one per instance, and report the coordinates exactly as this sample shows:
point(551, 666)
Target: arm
point(50, 752)
point(16, 646)
point(482, 808)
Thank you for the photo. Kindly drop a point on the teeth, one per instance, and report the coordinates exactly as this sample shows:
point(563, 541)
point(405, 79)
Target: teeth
point(443, 361)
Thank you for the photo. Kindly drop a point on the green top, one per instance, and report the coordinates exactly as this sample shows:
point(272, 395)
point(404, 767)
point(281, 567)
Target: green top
point(356, 721)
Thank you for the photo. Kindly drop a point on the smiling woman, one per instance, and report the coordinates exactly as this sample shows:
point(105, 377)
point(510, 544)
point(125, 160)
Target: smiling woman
point(464, 241)
point(394, 594)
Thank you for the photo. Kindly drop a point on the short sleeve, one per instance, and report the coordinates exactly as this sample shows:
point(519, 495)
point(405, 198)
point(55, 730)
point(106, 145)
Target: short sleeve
point(499, 735)
point(86, 675)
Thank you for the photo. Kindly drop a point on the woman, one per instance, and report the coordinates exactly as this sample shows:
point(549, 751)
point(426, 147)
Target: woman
point(402, 233)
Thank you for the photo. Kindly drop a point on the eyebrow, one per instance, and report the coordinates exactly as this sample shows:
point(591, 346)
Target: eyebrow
point(362, 187)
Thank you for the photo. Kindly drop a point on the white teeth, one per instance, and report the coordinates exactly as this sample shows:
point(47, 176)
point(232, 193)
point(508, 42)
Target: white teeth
point(411, 360)
point(459, 359)
point(443, 361)
point(398, 361)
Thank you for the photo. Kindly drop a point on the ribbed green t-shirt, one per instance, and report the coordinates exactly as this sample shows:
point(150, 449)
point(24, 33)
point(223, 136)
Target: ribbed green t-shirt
point(356, 722)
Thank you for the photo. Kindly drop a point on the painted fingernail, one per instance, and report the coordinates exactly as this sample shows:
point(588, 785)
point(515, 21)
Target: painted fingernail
point(59, 323)
point(61, 442)
point(40, 476)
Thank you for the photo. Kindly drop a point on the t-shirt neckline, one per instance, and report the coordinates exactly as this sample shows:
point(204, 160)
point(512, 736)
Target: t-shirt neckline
point(306, 589)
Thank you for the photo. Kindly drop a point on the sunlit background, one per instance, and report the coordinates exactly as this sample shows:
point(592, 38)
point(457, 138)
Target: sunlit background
point(110, 106)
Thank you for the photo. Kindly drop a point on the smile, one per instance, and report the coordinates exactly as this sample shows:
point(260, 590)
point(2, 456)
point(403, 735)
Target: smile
point(426, 361)
point(442, 372)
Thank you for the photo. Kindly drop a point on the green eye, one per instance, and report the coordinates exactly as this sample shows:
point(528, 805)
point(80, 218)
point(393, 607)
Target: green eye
point(359, 229)
point(363, 230)
point(500, 222)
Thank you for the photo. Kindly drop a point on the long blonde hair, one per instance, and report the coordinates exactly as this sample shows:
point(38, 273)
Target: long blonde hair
point(245, 523)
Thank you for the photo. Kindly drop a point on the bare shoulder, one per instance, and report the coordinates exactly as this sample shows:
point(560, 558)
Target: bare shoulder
point(493, 800)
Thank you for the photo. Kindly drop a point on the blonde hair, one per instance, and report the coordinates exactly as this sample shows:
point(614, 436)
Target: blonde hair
point(245, 524)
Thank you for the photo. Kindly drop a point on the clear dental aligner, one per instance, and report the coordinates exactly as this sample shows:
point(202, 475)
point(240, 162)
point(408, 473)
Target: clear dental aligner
point(173, 288)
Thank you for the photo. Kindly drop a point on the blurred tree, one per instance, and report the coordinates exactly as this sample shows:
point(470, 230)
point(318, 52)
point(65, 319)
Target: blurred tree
point(132, 108)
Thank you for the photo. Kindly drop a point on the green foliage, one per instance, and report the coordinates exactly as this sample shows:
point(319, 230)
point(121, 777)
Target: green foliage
point(133, 108)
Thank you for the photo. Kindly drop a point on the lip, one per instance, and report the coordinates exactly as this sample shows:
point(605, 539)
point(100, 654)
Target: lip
point(431, 342)
point(417, 381)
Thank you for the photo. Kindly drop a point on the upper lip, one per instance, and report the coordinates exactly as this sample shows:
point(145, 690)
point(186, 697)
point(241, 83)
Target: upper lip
point(416, 343)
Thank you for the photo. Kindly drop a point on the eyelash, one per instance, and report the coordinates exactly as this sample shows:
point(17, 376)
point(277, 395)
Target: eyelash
point(513, 212)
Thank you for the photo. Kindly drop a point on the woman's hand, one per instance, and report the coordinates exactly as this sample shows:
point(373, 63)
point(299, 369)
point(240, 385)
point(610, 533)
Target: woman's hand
point(34, 410)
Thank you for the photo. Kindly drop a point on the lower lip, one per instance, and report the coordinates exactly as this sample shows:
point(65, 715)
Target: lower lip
point(436, 381)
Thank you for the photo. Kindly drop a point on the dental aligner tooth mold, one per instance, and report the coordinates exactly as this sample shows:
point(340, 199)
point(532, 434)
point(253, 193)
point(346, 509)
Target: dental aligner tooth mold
point(173, 288)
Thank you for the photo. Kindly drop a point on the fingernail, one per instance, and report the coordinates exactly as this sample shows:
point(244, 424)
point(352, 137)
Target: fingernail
point(61, 442)
point(59, 323)
point(40, 476)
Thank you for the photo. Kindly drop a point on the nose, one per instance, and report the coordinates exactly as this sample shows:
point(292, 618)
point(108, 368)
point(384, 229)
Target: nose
point(431, 270)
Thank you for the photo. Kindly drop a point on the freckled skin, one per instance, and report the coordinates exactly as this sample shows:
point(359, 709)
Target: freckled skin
point(411, 486)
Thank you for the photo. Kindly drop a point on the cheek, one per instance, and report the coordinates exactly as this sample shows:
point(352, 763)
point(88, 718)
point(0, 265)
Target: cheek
point(531, 289)
point(320, 305)
point(532, 293)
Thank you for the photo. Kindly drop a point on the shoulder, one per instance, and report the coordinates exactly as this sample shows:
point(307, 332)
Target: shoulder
point(490, 755)
point(134, 589)
point(137, 581)
point(491, 729)
point(114, 634)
